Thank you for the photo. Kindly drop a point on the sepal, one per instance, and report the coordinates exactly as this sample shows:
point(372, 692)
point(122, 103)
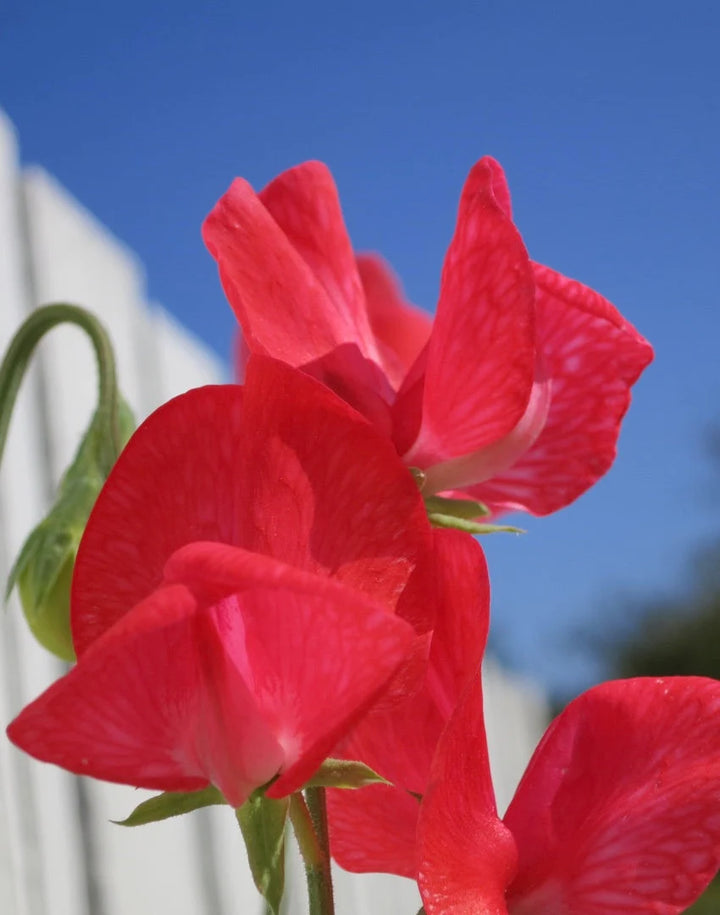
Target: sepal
point(262, 821)
point(451, 522)
point(344, 773)
point(467, 509)
point(172, 804)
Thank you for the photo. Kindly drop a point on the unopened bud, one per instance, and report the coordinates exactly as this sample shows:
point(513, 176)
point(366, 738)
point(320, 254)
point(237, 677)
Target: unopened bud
point(44, 567)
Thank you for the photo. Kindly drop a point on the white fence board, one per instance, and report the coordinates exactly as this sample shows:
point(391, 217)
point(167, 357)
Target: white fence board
point(59, 855)
point(515, 717)
point(13, 897)
point(74, 259)
point(182, 362)
point(41, 805)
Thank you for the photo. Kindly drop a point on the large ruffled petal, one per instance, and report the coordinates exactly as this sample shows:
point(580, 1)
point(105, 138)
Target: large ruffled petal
point(287, 267)
point(239, 668)
point(157, 703)
point(280, 466)
point(284, 308)
point(481, 356)
point(373, 830)
point(619, 810)
point(592, 357)
point(331, 495)
point(304, 202)
point(314, 657)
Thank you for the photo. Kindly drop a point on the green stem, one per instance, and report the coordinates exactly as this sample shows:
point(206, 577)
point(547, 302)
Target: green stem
point(22, 345)
point(310, 826)
point(317, 805)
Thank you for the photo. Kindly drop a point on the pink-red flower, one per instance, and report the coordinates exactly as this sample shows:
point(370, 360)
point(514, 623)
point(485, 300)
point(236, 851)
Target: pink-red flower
point(256, 573)
point(618, 812)
point(514, 394)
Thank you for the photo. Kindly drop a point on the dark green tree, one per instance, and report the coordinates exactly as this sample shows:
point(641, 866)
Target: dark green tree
point(676, 636)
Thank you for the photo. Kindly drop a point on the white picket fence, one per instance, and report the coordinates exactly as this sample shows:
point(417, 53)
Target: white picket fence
point(59, 854)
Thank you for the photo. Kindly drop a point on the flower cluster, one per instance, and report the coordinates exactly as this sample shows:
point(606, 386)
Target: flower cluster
point(259, 587)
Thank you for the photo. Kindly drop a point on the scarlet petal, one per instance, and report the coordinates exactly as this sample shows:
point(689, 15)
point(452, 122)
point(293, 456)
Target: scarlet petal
point(314, 652)
point(180, 479)
point(140, 708)
point(592, 356)
point(461, 629)
point(330, 664)
point(491, 461)
point(347, 506)
point(241, 667)
point(284, 309)
point(481, 356)
point(279, 466)
point(619, 810)
point(400, 329)
point(399, 742)
point(304, 202)
point(466, 855)
point(373, 830)
point(498, 183)
point(288, 270)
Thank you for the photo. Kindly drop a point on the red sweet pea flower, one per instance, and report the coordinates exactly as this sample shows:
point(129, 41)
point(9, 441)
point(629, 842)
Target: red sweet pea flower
point(514, 394)
point(253, 576)
point(618, 811)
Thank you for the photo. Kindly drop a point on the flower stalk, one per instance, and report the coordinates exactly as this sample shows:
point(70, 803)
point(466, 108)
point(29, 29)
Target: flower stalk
point(43, 570)
point(22, 346)
point(309, 819)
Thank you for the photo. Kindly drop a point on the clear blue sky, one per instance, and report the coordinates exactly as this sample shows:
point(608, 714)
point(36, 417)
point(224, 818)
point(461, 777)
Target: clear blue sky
point(605, 117)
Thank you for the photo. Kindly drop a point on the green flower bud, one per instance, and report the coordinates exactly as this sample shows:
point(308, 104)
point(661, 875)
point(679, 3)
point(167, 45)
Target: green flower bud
point(44, 567)
point(43, 570)
point(43, 574)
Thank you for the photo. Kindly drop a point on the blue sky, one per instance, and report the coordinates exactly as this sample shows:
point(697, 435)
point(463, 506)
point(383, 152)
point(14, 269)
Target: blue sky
point(605, 117)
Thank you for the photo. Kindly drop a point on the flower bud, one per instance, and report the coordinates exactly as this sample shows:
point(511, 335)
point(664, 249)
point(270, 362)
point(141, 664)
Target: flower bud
point(44, 567)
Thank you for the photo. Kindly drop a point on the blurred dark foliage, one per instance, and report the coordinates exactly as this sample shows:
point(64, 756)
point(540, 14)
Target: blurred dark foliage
point(677, 635)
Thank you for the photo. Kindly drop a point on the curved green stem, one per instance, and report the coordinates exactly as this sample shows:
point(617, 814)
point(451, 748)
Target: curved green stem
point(20, 350)
point(309, 822)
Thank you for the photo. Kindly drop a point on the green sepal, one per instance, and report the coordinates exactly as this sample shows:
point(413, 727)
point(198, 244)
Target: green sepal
point(344, 773)
point(471, 527)
point(44, 566)
point(262, 821)
point(456, 508)
point(172, 804)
